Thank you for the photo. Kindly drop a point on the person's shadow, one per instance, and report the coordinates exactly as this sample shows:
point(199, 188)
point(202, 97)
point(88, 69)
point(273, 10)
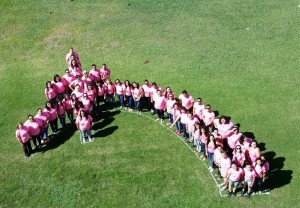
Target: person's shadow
point(103, 120)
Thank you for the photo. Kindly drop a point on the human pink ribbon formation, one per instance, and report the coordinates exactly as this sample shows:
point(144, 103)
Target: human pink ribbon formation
point(81, 95)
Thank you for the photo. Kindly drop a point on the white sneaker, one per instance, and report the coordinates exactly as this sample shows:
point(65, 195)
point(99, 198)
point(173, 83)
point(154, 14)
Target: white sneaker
point(83, 141)
point(90, 140)
point(223, 189)
point(157, 119)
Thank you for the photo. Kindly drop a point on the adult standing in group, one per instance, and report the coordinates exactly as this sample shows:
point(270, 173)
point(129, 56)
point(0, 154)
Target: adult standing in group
point(105, 72)
point(198, 108)
point(137, 93)
point(52, 112)
point(160, 104)
point(120, 91)
point(234, 177)
point(59, 87)
point(34, 130)
point(84, 124)
point(67, 79)
point(50, 93)
point(208, 117)
point(187, 101)
point(233, 136)
point(95, 73)
point(24, 138)
point(147, 94)
point(71, 53)
point(43, 118)
point(128, 95)
point(154, 89)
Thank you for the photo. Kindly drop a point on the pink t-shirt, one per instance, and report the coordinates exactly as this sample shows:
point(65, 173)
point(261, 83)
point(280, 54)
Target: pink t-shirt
point(78, 94)
point(235, 175)
point(67, 79)
point(191, 123)
point(233, 138)
point(86, 104)
point(170, 104)
point(105, 73)
point(101, 90)
point(110, 88)
point(223, 128)
point(86, 81)
point(43, 118)
point(147, 90)
point(137, 93)
point(84, 123)
point(91, 94)
point(22, 134)
point(225, 165)
point(211, 147)
point(176, 113)
point(199, 109)
point(67, 104)
point(249, 175)
point(184, 118)
point(76, 71)
point(160, 102)
point(60, 110)
point(52, 113)
point(120, 89)
point(50, 93)
point(77, 82)
point(252, 155)
point(128, 91)
point(187, 101)
point(203, 138)
point(217, 156)
point(266, 166)
point(259, 171)
point(68, 56)
point(33, 128)
point(208, 117)
point(59, 87)
point(238, 158)
point(95, 75)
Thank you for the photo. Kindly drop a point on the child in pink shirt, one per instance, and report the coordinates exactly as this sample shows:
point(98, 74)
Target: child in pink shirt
point(24, 139)
point(249, 179)
point(196, 137)
point(203, 140)
point(234, 177)
point(84, 124)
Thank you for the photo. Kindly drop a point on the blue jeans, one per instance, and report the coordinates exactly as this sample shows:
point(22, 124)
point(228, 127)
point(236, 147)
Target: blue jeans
point(185, 135)
point(62, 120)
point(211, 159)
point(70, 115)
point(121, 99)
point(203, 148)
point(138, 105)
point(129, 100)
point(44, 133)
point(85, 134)
point(178, 126)
point(170, 116)
point(198, 144)
point(110, 100)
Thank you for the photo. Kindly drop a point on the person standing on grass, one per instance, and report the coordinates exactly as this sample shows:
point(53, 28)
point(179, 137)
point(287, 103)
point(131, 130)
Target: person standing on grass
point(59, 87)
point(210, 147)
point(203, 138)
point(75, 69)
point(169, 92)
point(128, 95)
point(223, 124)
point(137, 93)
point(86, 102)
point(170, 103)
point(160, 105)
point(153, 93)
point(187, 101)
point(191, 125)
point(147, 94)
point(77, 81)
point(67, 79)
point(196, 137)
point(87, 80)
point(183, 119)
point(95, 74)
point(208, 117)
point(249, 179)
point(72, 52)
point(217, 158)
point(218, 137)
point(224, 166)
point(198, 108)
point(43, 118)
point(24, 138)
point(254, 152)
point(238, 156)
point(176, 113)
point(110, 92)
point(50, 93)
point(61, 113)
point(74, 62)
point(78, 92)
point(233, 136)
point(67, 102)
point(91, 93)
point(34, 131)
point(105, 72)
point(52, 112)
point(234, 177)
point(84, 124)
point(120, 90)
point(101, 90)
point(260, 174)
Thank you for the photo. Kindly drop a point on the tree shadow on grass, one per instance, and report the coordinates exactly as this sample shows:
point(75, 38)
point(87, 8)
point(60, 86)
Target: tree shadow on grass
point(276, 176)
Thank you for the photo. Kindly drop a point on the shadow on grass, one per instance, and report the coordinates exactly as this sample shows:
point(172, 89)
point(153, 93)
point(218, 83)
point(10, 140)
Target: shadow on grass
point(276, 176)
point(105, 119)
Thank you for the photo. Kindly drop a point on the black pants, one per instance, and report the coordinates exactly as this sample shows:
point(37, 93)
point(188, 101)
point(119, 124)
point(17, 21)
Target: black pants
point(53, 125)
point(36, 138)
point(148, 104)
point(160, 113)
point(27, 148)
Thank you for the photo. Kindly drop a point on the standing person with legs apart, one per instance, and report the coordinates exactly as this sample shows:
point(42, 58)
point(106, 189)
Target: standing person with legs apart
point(196, 137)
point(120, 90)
point(84, 124)
point(61, 112)
point(52, 112)
point(160, 105)
point(249, 180)
point(24, 138)
point(190, 126)
point(101, 90)
point(110, 93)
point(67, 102)
point(147, 94)
point(43, 118)
point(234, 177)
point(153, 93)
point(260, 175)
point(176, 112)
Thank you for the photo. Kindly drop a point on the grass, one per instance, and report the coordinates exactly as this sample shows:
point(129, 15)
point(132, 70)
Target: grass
point(204, 47)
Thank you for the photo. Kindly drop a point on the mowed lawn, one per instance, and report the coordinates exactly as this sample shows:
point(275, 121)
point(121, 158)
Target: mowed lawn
point(242, 57)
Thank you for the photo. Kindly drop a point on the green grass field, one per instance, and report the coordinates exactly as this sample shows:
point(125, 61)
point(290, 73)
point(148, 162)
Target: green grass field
point(242, 57)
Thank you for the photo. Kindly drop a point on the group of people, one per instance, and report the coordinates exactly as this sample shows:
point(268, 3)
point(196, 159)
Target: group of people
point(80, 95)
